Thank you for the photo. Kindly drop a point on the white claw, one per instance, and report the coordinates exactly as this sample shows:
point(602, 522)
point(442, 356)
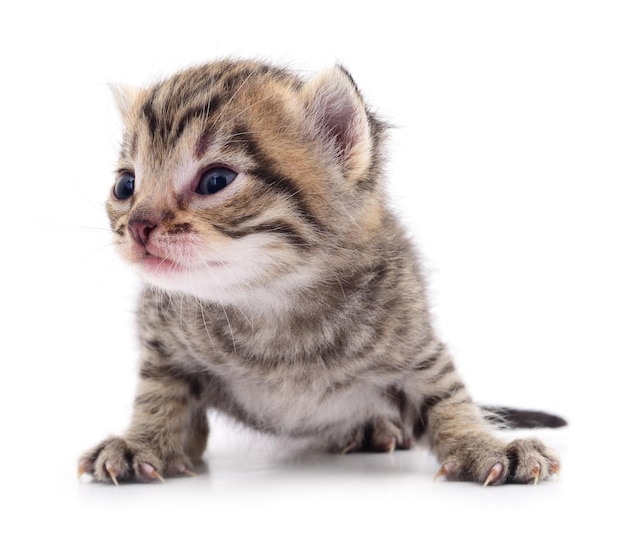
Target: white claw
point(150, 472)
point(82, 469)
point(348, 448)
point(112, 472)
point(158, 477)
point(441, 472)
point(554, 469)
point(448, 469)
point(536, 472)
point(494, 473)
point(182, 469)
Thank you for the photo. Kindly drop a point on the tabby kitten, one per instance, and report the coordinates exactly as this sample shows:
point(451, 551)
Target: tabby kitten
point(280, 289)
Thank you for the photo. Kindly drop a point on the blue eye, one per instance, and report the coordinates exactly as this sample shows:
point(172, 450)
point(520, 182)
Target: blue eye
point(214, 180)
point(125, 186)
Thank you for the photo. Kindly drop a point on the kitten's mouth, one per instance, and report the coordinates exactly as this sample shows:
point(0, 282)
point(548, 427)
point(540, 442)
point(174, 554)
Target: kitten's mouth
point(155, 264)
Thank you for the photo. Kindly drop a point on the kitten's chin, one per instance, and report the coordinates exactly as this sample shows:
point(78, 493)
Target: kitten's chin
point(159, 267)
point(156, 266)
point(215, 281)
point(171, 275)
point(252, 285)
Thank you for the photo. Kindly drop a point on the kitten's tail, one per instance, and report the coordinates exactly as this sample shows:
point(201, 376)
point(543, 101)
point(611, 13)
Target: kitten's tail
point(511, 418)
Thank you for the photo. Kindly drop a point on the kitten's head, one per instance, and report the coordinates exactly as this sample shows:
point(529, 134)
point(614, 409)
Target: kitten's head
point(237, 179)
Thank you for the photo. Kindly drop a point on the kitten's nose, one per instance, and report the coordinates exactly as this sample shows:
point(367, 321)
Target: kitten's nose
point(140, 230)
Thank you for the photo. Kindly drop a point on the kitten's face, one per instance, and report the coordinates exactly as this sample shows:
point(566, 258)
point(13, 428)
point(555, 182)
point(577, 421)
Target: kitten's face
point(234, 178)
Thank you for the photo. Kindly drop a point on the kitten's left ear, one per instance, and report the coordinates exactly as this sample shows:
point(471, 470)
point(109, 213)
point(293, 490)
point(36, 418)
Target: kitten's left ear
point(125, 98)
point(339, 118)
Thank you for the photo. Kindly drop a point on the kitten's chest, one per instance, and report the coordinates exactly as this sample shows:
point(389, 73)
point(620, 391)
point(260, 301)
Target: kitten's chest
point(299, 376)
point(282, 382)
point(315, 352)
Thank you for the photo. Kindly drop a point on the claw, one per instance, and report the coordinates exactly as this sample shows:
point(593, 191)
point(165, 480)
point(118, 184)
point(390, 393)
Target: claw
point(84, 466)
point(391, 445)
point(494, 473)
point(448, 470)
point(184, 470)
point(349, 448)
point(112, 473)
point(156, 475)
point(535, 472)
point(149, 471)
point(554, 469)
point(441, 472)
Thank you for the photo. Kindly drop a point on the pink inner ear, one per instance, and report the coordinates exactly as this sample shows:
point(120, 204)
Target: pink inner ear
point(338, 119)
point(337, 112)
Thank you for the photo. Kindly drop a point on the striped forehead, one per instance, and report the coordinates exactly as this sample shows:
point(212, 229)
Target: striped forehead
point(198, 96)
point(166, 116)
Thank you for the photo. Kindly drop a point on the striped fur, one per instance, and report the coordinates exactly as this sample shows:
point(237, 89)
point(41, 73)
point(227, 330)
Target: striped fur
point(291, 299)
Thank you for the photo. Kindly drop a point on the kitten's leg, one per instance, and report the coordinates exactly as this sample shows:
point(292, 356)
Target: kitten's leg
point(198, 435)
point(387, 435)
point(168, 429)
point(382, 434)
point(464, 441)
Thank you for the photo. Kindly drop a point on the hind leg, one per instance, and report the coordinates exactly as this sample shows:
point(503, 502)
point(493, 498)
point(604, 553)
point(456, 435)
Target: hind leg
point(382, 435)
point(197, 437)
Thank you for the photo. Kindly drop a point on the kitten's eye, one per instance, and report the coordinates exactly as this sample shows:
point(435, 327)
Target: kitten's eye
point(125, 186)
point(215, 180)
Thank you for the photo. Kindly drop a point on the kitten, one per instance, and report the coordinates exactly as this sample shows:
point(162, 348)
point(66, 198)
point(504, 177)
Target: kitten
point(280, 289)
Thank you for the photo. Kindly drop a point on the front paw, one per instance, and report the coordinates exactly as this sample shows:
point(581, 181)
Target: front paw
point(118, 460)
point(522, 461)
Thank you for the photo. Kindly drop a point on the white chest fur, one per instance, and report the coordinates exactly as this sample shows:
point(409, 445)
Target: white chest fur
point(296, 408)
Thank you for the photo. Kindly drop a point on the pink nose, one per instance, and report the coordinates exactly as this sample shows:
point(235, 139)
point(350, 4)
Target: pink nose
point(140, 230)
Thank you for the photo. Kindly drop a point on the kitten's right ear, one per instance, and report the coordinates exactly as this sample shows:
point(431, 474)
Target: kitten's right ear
point(339, 117)
point(126, 98)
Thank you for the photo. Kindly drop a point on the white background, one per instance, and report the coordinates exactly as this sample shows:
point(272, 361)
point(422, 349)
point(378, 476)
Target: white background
point(507, 163)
